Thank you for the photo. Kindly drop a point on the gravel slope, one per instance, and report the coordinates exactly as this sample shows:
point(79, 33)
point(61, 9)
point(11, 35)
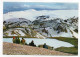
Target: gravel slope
point(17, 49)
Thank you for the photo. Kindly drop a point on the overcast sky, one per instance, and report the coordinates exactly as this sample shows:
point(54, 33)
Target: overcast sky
point(20, 6)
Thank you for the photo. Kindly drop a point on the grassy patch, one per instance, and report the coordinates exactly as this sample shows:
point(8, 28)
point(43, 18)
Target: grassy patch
point(73, 41)
point(71, 50)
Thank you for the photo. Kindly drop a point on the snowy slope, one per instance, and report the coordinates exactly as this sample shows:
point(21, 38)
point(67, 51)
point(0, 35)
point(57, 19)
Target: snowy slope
point(57, 27)
point(17, 20)
point(32, 14)
point(27, 32)
point(13, 22)
point(42, 24)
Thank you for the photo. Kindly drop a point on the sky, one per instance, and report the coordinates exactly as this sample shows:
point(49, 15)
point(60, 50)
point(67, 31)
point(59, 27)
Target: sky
point(21, 6)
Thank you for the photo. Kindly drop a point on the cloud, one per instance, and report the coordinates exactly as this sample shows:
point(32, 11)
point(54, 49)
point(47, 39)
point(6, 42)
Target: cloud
point(20, 6)
point(53, 6)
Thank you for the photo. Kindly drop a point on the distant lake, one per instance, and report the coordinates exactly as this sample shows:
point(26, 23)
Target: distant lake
point(51, 42)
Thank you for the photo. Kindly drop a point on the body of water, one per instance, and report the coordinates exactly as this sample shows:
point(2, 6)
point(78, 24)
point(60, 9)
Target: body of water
point(51, 42)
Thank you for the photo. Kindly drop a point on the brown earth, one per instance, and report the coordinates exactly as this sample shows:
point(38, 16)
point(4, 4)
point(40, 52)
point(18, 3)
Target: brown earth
point(18, 49)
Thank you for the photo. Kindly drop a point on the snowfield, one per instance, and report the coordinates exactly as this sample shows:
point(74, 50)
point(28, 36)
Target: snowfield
point(32, 14)
point(55, 34)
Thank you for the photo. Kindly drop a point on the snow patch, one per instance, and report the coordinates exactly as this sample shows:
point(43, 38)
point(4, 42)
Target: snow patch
point(32, 14)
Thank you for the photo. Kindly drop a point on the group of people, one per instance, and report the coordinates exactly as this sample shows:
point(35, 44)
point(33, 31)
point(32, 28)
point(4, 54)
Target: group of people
point(17, 41)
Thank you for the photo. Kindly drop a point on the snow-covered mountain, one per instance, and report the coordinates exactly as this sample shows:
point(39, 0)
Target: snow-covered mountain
point(54, 23)
point(20, 27)
point(32, 14)
point(57, 27)
point(41, 27)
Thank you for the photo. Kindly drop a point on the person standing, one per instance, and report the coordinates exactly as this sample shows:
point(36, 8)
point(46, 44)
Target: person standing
point(45, 46)
point(23, 41)
point(14, 40)
point(18, 40)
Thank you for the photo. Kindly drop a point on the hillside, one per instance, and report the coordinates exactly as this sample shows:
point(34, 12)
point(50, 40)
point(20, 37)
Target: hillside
point(17, 49)
point(57, 27)
point(41, 27)
point(20, 27)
